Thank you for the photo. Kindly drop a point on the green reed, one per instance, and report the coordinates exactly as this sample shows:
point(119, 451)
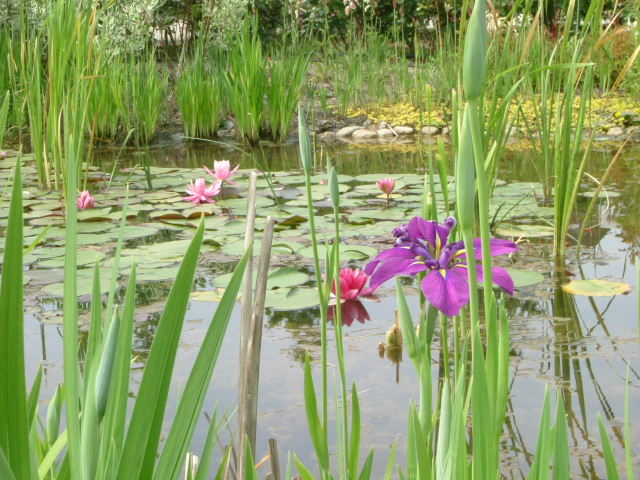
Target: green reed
point(287, 84)
point(148, 88)
point(246, 84)
point(109, 110)
point(199, 96)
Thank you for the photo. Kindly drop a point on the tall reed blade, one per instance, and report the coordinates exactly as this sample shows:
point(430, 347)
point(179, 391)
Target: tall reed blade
point(14, 422)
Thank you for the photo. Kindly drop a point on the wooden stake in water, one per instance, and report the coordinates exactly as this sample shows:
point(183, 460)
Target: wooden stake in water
point(245, 320)
point(247, 288)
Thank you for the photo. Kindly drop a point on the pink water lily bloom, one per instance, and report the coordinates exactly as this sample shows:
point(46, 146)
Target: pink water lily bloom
point(85, 200)
point(199, 192)
point(386, 185)
point(222, 171)
point(352, 284)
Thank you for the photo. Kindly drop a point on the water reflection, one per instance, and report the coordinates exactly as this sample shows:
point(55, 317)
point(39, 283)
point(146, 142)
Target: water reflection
point(352, 311)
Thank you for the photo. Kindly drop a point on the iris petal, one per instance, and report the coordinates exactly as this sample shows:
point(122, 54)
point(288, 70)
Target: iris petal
point(390, 269)
point(500, 277)
point(447, 290)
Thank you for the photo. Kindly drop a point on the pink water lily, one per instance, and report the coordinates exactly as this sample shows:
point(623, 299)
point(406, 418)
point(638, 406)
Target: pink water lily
point(199, 192)
point(353, 283)
point(85, 200)
point(386, 185)
point(222, 171)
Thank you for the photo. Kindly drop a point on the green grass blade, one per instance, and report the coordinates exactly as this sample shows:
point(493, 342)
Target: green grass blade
point(609, 456)
point(561, 465)
point(95, 324)
point(116, 414)
point(250, 472)
point(354, 447)
point(315, 427)
point(5, 468)
point(221, 474)
point(207, 450)
point(14, 419)
point(540, 468)
point(140, 447)
point(365, 473)
point(391, 463)
point(188, 411)
point(305, 473)
point(34, 396)
point(70, 327)
point(52, 454)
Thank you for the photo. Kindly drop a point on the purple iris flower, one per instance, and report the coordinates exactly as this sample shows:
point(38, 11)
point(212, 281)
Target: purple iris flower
point(421, 246)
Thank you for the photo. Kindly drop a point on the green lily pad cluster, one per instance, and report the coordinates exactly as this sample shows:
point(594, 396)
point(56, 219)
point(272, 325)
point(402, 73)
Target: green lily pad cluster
point(159, 224)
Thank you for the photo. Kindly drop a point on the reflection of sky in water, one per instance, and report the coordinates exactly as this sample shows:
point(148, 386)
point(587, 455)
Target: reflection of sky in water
point(586, 352)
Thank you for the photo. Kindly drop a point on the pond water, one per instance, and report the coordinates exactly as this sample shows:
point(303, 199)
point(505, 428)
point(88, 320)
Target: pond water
point(583, 345)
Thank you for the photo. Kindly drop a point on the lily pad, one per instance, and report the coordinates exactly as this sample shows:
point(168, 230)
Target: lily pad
point(295, 298)
point(524, 278)
point(525, 230)
point(279, 278)
point(596, 288)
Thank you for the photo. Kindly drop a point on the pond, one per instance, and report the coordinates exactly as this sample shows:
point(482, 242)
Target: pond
point(583, 345)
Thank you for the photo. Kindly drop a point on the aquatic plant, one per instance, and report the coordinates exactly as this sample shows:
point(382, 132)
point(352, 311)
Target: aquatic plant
point(85, 200)
point(246, 83)
point(423, 246)
point(199, 95)
point(200, 193)
point(222, 171)
point(353, 283)
point(148, 92)
point(287, 72)
point(386, 186)
point(99, 441)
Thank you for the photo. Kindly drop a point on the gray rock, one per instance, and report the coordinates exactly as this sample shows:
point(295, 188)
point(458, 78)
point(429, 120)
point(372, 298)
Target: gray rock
point(446, 131)
point(363, 134)
point(429, 130)
point(347, 131)
point(367, 122)
point(404, 130)
point(615, 131)
point(227, 124)
point(385, 133)
point(327, 137)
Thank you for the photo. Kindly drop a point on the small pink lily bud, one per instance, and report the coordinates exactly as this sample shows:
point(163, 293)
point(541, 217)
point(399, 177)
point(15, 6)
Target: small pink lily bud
point(85, 200)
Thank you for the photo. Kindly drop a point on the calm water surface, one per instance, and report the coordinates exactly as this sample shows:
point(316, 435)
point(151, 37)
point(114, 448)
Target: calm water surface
point(582, 345)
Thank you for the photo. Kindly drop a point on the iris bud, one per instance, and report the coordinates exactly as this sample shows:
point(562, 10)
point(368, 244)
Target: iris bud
point(475, 51)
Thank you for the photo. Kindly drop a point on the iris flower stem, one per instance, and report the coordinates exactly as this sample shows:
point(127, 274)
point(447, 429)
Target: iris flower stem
point(339, 345)
point(444, 341)
point(323, 301)
point(483, 198)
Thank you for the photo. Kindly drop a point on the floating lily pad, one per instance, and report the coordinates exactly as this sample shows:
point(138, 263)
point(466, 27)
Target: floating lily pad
point(596, 288)
point(295, 298)
point(525, 230)
point(524, 278)
point(279, 278)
